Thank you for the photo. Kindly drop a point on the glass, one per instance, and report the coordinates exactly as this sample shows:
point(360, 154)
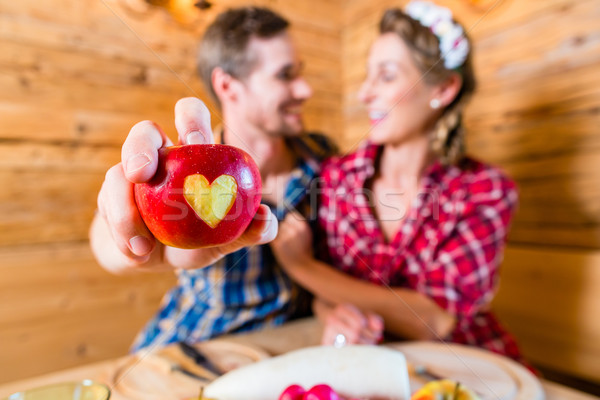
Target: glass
point(84, 390)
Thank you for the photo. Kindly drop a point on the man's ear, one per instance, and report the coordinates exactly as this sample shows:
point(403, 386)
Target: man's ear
point(224, 85)
point(449, 89)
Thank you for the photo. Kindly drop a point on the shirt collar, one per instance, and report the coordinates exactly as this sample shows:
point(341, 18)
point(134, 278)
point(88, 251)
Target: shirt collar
point(363, 165)
point(307, 168)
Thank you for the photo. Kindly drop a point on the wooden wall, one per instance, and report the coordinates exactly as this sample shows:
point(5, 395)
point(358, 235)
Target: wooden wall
point(536, 114)
point(75, 75)
point(73, 82)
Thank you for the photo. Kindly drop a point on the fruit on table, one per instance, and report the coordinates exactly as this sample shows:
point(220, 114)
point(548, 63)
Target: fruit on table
point(317, 392)
point(321, 392)
point(293, 392)
point(445, 389)
point(201, 195)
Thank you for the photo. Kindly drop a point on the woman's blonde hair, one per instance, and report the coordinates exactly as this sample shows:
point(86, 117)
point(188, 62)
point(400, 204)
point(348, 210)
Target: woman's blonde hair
point(448, 141)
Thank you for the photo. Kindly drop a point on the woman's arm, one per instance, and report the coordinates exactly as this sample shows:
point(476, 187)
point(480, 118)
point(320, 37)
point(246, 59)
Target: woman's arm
point(406, 312)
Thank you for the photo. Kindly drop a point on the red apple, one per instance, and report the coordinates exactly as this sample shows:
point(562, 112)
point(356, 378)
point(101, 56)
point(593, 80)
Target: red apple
point(293, 392)
point(202, 195)
point(321, 392)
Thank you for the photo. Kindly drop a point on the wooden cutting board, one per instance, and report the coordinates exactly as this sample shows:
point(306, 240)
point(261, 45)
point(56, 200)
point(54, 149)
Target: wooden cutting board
point(148, 375)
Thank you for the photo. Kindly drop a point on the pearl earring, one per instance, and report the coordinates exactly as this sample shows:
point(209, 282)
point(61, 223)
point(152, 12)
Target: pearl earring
point(435, 103)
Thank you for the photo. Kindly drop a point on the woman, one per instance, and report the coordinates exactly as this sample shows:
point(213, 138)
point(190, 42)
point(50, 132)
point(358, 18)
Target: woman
point(415, 229)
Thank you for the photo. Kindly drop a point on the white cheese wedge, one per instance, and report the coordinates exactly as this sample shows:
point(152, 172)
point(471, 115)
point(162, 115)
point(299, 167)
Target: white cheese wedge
point(359, 371)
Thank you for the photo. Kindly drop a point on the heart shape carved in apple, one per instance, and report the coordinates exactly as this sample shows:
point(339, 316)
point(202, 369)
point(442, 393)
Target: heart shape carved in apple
point(201, 195)
point(210, 201)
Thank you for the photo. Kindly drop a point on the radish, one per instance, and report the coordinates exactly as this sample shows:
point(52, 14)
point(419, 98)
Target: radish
point(293, 392)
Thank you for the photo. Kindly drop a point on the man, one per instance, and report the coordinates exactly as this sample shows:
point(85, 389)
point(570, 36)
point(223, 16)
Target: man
point(249, 62)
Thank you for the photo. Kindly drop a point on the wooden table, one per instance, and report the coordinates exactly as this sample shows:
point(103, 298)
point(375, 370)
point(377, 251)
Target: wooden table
point(274, 341)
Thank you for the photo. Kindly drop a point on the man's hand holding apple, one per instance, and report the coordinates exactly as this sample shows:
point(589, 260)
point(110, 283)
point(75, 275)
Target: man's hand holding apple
point(120, 238)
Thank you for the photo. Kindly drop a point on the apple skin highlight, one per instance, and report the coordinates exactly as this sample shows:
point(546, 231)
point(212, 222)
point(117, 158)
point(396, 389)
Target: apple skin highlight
point(174, 221)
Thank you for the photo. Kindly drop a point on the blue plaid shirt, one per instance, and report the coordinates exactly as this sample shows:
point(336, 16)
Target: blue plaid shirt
point(245, 290)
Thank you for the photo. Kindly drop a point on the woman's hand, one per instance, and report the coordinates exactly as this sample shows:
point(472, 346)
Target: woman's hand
point(346, 324)
point(293, 244)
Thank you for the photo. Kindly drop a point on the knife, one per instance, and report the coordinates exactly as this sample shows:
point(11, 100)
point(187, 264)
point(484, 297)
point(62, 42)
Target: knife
point(199, 358)
point(167, 366)
point(424, 372)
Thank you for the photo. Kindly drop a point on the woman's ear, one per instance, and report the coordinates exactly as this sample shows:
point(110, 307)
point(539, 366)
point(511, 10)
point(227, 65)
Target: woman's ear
point(448, 90)
point(224, 85)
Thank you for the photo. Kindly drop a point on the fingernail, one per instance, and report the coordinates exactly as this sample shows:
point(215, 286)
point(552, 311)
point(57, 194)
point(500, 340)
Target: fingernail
point(137, 162)
point(270, 230)
point(263, 214)
point(140, 246)
point(195, 137)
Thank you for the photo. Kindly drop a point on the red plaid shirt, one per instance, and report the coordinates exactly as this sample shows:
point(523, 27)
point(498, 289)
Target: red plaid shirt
point(449, 246)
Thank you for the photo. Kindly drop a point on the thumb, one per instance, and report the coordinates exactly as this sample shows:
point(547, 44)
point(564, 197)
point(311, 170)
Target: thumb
point(192, 121)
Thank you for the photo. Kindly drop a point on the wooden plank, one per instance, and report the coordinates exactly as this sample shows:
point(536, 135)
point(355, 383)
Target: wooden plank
point(49, 280)
point(160, 73)
point(317, 43)
point(28, 120)
point(325, 72)
point(357, 39)
point(501, 141)
point(315, 15)
point(581, 163)
point(549, 300)
point(108, 36)
point(563, 39)
point(560, 95)
point(573, 202)
point(356, 12)
point(48, 63)
point(486, 19)
point(59, 308)
point(37, 122)
point(61, 157)
point(66, 342)
point(324, 15)
point(326, 121)
point(50, 190)
point(540, 234)
point(494, 17)
point(41, 207)
point(62, 92)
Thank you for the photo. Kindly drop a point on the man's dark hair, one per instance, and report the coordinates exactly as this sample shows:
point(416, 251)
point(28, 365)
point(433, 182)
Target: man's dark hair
point(225, 41)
